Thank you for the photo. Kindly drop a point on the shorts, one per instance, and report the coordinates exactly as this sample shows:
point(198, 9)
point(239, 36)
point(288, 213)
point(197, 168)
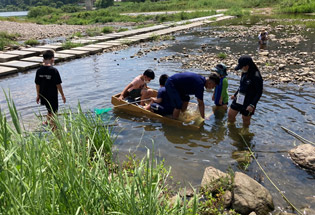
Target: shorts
point(175, 97)
point(241, 109)
point(135, 93)
point(222, 104)
point(51, 106)
point(159, 109)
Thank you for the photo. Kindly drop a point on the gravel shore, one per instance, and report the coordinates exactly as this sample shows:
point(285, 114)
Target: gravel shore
point(36, 31)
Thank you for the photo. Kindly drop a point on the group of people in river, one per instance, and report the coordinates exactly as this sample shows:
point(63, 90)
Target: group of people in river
point(174, 93)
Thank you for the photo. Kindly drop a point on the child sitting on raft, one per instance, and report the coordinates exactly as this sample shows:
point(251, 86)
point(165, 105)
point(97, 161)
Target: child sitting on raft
point(138, 87)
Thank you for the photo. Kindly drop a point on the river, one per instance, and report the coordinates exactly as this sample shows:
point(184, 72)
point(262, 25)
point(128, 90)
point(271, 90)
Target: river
point(93, 80)
point(13, 13)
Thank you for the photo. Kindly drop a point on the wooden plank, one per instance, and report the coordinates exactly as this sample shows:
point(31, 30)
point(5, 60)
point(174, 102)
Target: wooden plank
point(76, 53)
point(20, 65)
point(7, 57)
point(64, 57)
point(92, 50)
point(123, 105)
point(7, 70)
point(22, 54)
point(51, 46)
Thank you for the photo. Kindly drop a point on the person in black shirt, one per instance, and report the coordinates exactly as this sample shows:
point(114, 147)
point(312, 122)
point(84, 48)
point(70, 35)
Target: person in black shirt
point(249, 92)
point(48, 83)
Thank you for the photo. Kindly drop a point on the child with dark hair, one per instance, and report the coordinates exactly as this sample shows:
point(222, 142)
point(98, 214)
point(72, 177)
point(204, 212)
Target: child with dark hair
point(246, 97)
point(138, 87)
point(220, 95)
point(161, 104)
point(48, 83)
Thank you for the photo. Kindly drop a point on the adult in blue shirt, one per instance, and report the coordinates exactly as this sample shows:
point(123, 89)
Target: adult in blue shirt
point(181, 85)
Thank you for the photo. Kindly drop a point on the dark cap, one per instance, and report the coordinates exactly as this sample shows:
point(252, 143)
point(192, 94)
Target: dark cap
point(220, 69)
point(243, 61)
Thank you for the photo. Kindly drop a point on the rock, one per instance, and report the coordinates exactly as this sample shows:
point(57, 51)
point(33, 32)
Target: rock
point(285, 80)
point(252, 213)
point(308, 211)
point(304, 155)
point(264, 53)
point(227, 199)
point(211, 174)
point(250, 196)
point(281, 67)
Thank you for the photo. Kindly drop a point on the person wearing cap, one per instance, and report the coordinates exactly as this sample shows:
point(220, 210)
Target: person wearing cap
point(263, 37)
point(249, 92)
point(220, 95)
point(181, 85)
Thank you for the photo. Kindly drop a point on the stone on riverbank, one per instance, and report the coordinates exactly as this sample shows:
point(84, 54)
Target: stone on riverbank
point(304, 155)
point(246, 196)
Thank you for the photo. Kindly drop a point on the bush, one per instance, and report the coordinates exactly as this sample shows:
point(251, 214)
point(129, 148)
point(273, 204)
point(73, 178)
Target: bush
point(31, 42)
point(71, 8)
point(70, 45)
point(108, 29)
point(41, 11)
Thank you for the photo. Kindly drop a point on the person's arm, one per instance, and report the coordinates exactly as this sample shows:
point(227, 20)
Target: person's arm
point(59, 87)
point(37, 93)
point(123, 93)
point(201, 106)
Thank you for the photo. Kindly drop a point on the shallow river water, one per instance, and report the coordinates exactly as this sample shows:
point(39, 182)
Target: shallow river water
point(93, 80)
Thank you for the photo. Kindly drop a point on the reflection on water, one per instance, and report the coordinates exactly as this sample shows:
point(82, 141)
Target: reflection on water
point(93, 80)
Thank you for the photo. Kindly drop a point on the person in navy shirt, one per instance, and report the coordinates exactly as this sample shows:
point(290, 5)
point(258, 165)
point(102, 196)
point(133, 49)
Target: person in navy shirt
point(161, 104)
point(181, 85)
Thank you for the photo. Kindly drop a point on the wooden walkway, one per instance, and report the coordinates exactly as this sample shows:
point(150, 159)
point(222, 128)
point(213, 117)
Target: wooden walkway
point(29, 58)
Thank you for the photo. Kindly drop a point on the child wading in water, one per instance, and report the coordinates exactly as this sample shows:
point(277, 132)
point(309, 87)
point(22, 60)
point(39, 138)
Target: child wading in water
point(48, 83)
point(220, 95)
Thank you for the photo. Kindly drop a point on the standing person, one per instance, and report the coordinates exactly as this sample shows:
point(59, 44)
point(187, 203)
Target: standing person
point(48, 83)
point(249, 92)
point(161, 104)
point(181, 85)
point(263, 39)
point(138, 87)
point(220, 95)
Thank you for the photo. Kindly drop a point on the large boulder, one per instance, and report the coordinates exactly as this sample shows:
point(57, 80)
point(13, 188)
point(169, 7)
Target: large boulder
point(210, 175)
point(250, 196)
point(304, 155)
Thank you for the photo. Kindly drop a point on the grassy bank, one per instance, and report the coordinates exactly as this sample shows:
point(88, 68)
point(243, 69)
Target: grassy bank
point(7, 39)
point(297, 6)
point(71, 171)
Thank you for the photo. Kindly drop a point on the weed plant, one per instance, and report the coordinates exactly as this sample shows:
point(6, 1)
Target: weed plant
point(108, 29)
point(71, 171)
point(297, 6)
point(7, 39)
point(31, 42)
point(70, 45)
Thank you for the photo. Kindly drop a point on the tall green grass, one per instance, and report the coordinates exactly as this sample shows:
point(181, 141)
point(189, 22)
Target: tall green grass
point(71, 171)
point(297, 6)
point(7, 39)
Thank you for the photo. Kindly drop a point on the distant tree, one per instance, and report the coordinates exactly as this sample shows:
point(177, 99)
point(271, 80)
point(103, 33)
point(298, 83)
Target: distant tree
point(104, 3)
point(88, 4)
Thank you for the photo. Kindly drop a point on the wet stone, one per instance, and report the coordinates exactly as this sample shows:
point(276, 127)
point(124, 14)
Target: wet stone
point(7, 70)
point(7, 57)
point(21, 65)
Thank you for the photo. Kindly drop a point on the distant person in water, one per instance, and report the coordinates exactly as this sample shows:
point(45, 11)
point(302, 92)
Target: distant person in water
point(220, 95)
point(138, 87)
point(48, 83)
point(249, 92)
point(161, 104)
point(263, 39)
point(181, 85)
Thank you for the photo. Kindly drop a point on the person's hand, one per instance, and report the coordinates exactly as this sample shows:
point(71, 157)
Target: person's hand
point(220, 101)
point(64, 99)
point(37, 99)
point(250, 109)
point(232, 97)
point(120, 97)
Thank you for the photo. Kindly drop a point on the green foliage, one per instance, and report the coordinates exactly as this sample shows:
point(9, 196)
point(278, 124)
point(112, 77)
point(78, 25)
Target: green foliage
point(31, 42)
point(71, 171)
point(70, 45)
point(104, 3)
point(108, 29)
point(222, 55)
point(7, 39)
point(92, 32)
point(154, 37)
point(237, 11)
point(71, 8)
point(42, 11)
point(122, 29)
point(297, 6)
